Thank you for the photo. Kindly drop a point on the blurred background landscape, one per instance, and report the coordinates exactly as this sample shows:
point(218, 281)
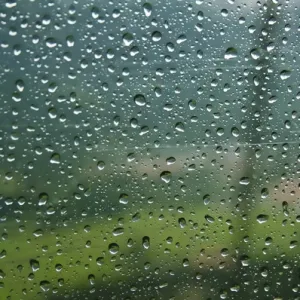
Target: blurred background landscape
point(149, 150)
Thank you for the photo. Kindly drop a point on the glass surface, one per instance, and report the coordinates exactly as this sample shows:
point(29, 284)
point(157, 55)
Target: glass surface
point(149, 150)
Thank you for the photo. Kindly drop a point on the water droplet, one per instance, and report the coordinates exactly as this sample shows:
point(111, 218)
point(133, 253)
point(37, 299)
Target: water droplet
point(147, 9)
point(166, 176)
point(113, 248)
point(34, 264)
point(235, 132)
point(95, 12)
point(245, 260)
point(156, 36)
point(20, 85)
point(179, 127)
point(285, 74)
point(170, 160)
point(118, 231)
point(55, 158)
point(182, 222)
point(206, 199)
point(224, 252)
point(43, 199)
point(139, 100)
point(244, 181)
point(230, 53)
point(127, 39)
point(262, 218)
point(52, 112)
point(101, 165)
point(45, 285)
point(123, 199)
point(181, 39)
point(146, 242)
point(255, 53)
point(264, 193)
point(209, 219)
point(192, 104)
point(51, 42)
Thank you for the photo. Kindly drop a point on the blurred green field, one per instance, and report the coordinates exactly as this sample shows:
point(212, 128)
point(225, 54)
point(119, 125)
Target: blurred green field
point(81, 250)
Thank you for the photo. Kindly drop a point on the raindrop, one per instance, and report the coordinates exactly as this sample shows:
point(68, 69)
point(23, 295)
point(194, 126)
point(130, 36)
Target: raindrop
point(206, 199)
point(34, 264)
point(166, 176)
point(146, 242)
point(255, 53)
point(139, 100)
point(43, 199)
point(113, 248)
point(209, 219)
point(51, 42)
point(235, 132)
point(244, 181)
point(123, 199)
point(262, 218)
point(192, 104)
point(147, 9)
point(156, 36)
point(285, 74)
point(170, 160)
point(45, 285)
point(55, 158)
point(264, 193)
point(101, 165)
point(118, 231)
point(182, 222)
point(179, 127)
point(127, 39)
point(230, 53)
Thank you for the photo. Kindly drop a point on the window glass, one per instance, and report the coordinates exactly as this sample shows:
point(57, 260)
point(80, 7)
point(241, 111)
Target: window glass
point(149, 150)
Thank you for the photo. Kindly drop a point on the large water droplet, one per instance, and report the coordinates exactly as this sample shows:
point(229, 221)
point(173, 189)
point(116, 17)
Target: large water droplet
point(166, 176)
point(147, 9)
point(230, 53)
point(179, 127)
point(113, 248)
point(139, 100)
point(127, 39)
point(285, 74)
point(262, 218)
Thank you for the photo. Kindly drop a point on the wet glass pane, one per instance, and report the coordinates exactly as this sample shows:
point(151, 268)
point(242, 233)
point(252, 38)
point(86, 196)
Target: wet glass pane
point(149, 150)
